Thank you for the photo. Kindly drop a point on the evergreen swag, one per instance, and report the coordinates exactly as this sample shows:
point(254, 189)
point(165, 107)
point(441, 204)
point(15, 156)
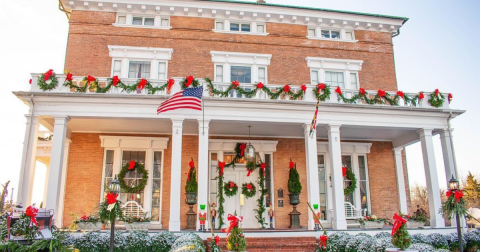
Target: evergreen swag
point(230, 189)
point(279, 91)
point(192, 184)
point(133, 167)
point(249, 190)
point(261, 205)
point(49, 76)
point(455, 204)
point(221, 199)
point(294, 185)
point(381, 97)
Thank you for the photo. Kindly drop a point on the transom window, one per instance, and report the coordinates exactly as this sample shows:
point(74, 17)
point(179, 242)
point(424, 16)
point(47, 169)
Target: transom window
point(139, 69)
point(334, 79)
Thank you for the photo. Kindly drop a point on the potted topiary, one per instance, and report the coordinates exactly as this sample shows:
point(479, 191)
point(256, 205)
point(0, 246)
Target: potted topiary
point(294, 185)
point(191, 186)
point(137, 223)
point(418, 219)
point(400, 237)
point(371, 222)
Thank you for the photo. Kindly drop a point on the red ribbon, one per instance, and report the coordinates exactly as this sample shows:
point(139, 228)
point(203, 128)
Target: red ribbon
point(112, 198)
point(90, 79)
point(249, 186)
point(191, 164)
point(189, 172)
point(115, 80)
point(458, 194)
point(263, 166)
point(421, 96)
point(398, 222)
point(437, 92)
point(344, 171)
point(362, 91)
point(131, 165)
point(291, 165)
point(231, 184)
point(304, 88)
point(30, 81)
point(142, 84)
point(48, 74)
point(323, 241)
point(217, 240)
point(259, 85)
point(221, 166)
point(235, 83)
point(401, 94)
point(338, 90)
point(234, 220)
point(286, 88)
point(249, 172)
point(69, 77)
point(321, 86)
point(189, 81)
point(242, 149)
point(170, 84)
point(381, 93)
point(450, 97)
point(32, 212)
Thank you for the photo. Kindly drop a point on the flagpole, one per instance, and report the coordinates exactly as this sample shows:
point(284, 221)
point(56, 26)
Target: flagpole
point(203, 114)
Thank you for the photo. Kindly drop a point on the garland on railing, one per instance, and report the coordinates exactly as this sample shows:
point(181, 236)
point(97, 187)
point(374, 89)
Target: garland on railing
point(279, 91)
point(382, 97)
point(322, 92)
point(189, 81)
point(261, 205)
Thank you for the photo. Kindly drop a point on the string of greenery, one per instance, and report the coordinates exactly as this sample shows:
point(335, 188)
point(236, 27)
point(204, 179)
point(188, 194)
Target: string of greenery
point(94, 86)
point(184, 83)
point(261, 204)
point(381, 97)
point(221, 198)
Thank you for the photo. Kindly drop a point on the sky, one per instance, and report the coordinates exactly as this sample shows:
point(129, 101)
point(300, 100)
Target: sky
point(437, 48)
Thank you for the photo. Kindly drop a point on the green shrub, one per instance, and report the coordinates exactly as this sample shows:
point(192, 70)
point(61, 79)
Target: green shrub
point(294, 185)
point(192, 184)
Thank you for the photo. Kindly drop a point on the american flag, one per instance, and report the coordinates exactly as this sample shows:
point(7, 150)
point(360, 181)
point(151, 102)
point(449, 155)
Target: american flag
point(189, 98)
point(313, 126)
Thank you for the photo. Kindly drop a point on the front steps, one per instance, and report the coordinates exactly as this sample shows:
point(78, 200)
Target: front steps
point(293, 244)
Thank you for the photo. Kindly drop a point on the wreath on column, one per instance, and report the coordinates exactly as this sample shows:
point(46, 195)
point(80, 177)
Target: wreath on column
point(230, 189)
point(249, 190)
point(350, 176)
point(130, 167)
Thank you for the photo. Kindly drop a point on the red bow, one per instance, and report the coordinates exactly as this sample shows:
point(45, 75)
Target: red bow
point(221, 165)
point(260, 85)
point(323, 241)
point(398, 222)
point(170, 84)
point(344, 171)
point(291, 165)
point(249, 186)
point(450, 97)
point(235, 83)
point(242, 149)
point(400, 93)
point(189, 81)
point(263, 166)
point(362, 91)
point(191, 164)
point(338, 90)
point(458, 194)
point(30, 81)
point(231, 184)
point(142, 83)
point(234, 220)
point(32, 212)
point(217, 240)
point(437, 92)
point(48, 74)
point(321, 86)
point(90, 79)
point(381, 93)
point(286, 88)
point(115, 80)
point(189, 173)
point(112, 198)
point(69, 77)
point(131, 165)
point(249, 172)
point(421, 96)
point(304, 88)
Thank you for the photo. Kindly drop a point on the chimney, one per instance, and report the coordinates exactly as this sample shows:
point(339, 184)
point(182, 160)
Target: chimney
point(261, 2)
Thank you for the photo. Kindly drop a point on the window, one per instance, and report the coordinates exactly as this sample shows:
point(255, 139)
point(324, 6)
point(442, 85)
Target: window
point(239, 27)
point(347, 162)
point(363, 182)
point(349, 35)
point(142, 21)
point(164, 22)
point(245, 27)
point(314, 77)
point(234, 27)
point(268, 181)
point(108, 173)
point(157, 185)
point(311, 33)
point(146, 21)
point(219, 25)
point(139, 69)
point(242, 74)
point(262, 75)
point(137, 21)
point(149, 21)
point(334, 79)
point(117, 68)
point(322, 182)
point(330, 34)
point(133, 178)
point(162, 71)
point(122, 20)
point(353, 81)
point(261, 28)
point(219, 73)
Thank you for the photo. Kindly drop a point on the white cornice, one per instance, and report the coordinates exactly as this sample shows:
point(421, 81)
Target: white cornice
point(240, 58)
point(338, 64)
point(260, 13)
point(140, 52)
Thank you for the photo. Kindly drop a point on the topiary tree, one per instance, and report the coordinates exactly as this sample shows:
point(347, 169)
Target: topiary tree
point(401, 239)
point(192, 184)
point(236, 240)
point(294, 185)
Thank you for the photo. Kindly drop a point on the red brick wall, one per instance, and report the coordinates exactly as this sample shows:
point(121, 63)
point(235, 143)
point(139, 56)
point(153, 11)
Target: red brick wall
point(192, 40)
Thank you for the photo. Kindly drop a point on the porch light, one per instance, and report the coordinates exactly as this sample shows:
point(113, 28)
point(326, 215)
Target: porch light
point(249, 150)
point(453, 184)
point(114, 185)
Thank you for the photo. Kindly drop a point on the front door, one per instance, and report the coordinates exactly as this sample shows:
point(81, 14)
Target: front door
point(232, 204)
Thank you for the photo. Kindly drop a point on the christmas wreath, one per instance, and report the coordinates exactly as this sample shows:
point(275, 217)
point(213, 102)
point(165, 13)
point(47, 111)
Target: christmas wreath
point(322, 92)
point(129, 167)
point(353, 181)
point(230, 188)
point(251, 166)
point(249, 190)
point(47, 81)
point(436, 99)
point(189, 81)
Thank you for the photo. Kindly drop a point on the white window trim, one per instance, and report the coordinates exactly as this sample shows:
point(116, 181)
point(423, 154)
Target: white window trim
point(318, 34)
point(129, 53)
point(126, 143)
point(346, 66)
point(253, 27)
point(129, 21)
point(228, 59)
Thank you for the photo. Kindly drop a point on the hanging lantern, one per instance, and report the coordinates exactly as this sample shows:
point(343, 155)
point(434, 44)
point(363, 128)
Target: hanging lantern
point(249, 150)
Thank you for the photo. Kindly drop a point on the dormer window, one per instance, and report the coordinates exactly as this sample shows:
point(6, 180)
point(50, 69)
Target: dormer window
point(248, 28)
point(142, 21)
point(321, 33)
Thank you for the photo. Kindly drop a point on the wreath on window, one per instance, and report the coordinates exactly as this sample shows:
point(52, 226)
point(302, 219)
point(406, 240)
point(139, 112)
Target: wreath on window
point(249, 190)
point(130, 167)
point(47, 81)
point(230, 189)
point(353, 181)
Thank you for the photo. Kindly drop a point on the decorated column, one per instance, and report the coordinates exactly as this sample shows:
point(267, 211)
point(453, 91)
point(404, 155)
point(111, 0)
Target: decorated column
point(203, 180)
point(27, 170)
point(56, 163)
point(431, 176)
point(312, 171)
point(339, 222)
point(176, 175)
point(402, 196)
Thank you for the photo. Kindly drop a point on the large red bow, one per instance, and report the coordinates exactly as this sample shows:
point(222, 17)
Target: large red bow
point(191, 164)
point(450, 97)
point(259, 85)
point(48, 74)
point(382, 93)
point(221, 166)
point(217, 240)
point(263, 166)
point(437, 92)
point(231, 184)
point(189, 81)
point(170, 84)
point(131, 165)
point(32, 212)
point(69, 77)
point(115, 80)
point(249, 186)
point(344, 171)
point(291, 165)
point(458, 194)
point(90, 79)
point(362, 91)
point(142, 83)
point(235, 83)
point(304, 88)
point(338, 90)
point(286, 88)
point(401, 94)
point(321, 86)
point(398, 222)
point(323, 241)
point(112, 198)
point(234, 220)
point(242, 149)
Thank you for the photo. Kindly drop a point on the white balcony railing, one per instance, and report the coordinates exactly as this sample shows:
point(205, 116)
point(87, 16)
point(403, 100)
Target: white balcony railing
point(260, 95)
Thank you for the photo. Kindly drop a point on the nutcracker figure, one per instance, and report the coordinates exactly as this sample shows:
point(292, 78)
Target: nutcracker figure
point(270, 214)
point(213, 214)
point(202, 217)
point(317, 217)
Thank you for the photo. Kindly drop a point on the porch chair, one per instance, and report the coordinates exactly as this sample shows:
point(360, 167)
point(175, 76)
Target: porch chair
point(132, 208)
point(351, 213)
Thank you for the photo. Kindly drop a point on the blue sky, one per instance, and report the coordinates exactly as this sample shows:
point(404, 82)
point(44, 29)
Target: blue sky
point(438, 48)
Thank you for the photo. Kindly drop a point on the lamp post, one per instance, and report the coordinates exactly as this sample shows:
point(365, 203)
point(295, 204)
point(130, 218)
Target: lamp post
point(453, 185)
point(249, 150)
point(115, 189)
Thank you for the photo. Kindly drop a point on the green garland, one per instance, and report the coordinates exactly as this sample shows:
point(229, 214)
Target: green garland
point(138, 188)
point(261, 205)
point(84, 87)
point(436, 99)
point(42, 83)
point(124, 87)
point(351, 176)
point(221, 199)
point(249, 193)
point(322, 92)
point(393, 100)
point(194, 83)
point(230, 191)
point(450, 207)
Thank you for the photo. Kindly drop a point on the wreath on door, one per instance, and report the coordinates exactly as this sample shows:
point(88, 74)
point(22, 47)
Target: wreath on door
point(230, 189)
point(249, 190)
point(348, 173)
point(130, 167)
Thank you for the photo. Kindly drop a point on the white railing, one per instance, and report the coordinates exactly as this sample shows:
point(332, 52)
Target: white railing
point(260, 95)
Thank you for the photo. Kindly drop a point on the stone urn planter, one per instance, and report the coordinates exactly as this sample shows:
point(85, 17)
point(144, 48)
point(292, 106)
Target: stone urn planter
point(294, 198)
point(137, 226)
point(415, 224)
point(191, 198)
point(89, 226)
point(372, 225)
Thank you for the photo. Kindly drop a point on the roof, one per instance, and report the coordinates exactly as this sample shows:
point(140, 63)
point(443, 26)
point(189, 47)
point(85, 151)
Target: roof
point(405, 19)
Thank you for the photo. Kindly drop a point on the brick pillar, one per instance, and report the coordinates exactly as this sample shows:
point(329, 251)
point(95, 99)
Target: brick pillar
point(312, 171)
point(176, 175)
point(335, 150)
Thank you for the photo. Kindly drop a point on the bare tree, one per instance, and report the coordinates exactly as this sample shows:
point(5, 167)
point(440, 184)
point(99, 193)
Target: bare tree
point(3, 196)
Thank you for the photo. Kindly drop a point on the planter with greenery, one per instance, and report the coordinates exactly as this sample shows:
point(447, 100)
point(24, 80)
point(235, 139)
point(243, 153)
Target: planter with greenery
point(294, 185)
point(86, 223)
point(191, 186)
point(137, 223)
point(418, 219)
point(371, 222)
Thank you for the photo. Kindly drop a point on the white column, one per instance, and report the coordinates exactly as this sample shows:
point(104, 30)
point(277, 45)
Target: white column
point(203, 179)
point(63, 185)
point(431, 176)
point(125, 66)
point(176, 175)
point(339, 222)
point(447, 150)
point(27, 170)
point(312, 171)
point(46, 183)
point(402, 196)
point(56, 164)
